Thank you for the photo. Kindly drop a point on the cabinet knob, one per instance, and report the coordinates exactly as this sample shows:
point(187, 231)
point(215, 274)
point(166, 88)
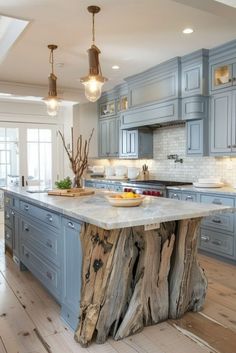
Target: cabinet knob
point(7, 216)
point(27, 255)
point(49, 244)
point(229, 146)
point(230, 79)
point(234, 78)
point(8, 236)
point(49, 275)
point(217, 242)
point(205, 238)
point(189, 197)
point(49, 217)
point(71, 225)
point(26, 228)
point(26, 207)
point(216, 220)
point(13, 213)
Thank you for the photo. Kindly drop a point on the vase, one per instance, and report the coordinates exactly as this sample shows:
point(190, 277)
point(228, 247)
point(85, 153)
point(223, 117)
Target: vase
point(77, 182)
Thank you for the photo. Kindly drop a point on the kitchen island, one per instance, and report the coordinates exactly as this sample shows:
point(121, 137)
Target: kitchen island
point(125, 268)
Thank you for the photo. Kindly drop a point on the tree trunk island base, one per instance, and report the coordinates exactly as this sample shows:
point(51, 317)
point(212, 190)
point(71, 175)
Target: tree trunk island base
point(133, 278)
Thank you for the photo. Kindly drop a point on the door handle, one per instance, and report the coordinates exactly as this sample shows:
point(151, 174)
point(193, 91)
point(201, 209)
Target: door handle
point(71, 225)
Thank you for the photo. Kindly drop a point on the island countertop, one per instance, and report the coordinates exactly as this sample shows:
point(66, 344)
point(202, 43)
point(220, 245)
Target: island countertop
point(96, 210)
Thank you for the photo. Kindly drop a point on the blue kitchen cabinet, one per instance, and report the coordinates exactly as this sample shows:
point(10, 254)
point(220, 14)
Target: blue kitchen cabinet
point(71, 273)
point(223, 74)
point(221, 128)
point(108, 137)
point(136, 143)
point(194, 78)
point(196, 144)
point(195, 108)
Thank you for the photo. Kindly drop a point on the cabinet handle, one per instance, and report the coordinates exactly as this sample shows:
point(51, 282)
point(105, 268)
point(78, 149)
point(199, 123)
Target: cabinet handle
point(49, 275)
point(217, 242)
point(49, 244)
point(8, 236)
point(7, 216)
point(229, 146)
point(49, 217)
point(216, 220)
point(205, 238)
point(26, 207)
point(189, 197)
point(26, 228)
point(71, 225)
point(217, 202)
point(13, 213)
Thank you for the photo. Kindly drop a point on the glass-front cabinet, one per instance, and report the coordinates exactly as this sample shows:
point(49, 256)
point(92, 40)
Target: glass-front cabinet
point(122, 104)
point(107, 109)
point(223, 75)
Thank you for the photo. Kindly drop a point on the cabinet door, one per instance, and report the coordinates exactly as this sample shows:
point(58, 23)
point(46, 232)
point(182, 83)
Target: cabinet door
point(113, 131)
point(220, 123)
point(195, 137)
point(234, 121)
point(107, 109)
point(103, 139)
point(221, 75)
point(191, 80)
point(72, 262)
point(129, 143)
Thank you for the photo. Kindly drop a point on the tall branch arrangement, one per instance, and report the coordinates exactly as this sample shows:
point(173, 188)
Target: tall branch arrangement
point(78, 155)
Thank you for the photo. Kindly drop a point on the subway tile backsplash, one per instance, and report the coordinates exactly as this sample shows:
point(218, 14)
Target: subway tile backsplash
point(172, 140)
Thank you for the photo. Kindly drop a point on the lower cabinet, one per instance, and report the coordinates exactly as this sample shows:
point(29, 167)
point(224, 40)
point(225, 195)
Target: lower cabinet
point(72, 263)
point(217, 232)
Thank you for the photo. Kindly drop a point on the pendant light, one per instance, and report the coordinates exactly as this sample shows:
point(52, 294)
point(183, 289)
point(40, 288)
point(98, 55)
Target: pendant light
point(94, 81)
point(52, 101)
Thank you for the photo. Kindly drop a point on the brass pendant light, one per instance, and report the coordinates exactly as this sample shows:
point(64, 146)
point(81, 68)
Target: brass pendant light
point(52, 101)
point(94, 81)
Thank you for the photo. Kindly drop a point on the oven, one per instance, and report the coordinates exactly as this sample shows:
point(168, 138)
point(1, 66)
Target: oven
point(150, 187)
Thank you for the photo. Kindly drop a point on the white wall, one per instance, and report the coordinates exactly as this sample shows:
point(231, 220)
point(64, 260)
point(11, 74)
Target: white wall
point(85, 119)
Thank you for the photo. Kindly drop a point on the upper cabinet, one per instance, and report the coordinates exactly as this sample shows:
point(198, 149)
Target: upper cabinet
point(194, 76)
point(223, 67)
point(107, 109)
point(223, 74)
point(158, 84)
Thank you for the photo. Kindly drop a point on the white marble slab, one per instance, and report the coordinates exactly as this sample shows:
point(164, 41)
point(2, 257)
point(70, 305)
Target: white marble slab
point(96, 210)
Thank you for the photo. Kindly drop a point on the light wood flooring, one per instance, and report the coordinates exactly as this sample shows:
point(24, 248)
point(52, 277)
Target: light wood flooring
point(30, 319)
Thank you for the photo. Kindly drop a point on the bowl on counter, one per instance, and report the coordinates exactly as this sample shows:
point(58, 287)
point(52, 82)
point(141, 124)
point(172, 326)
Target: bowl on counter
point(118, 201)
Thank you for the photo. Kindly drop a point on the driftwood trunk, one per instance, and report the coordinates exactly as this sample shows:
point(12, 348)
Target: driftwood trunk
point(132, 278)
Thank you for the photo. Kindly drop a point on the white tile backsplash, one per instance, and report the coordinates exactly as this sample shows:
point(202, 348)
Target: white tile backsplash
point(172, 140)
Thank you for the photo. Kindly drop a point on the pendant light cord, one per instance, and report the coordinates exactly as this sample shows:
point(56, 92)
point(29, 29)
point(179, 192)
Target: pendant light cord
point(51, 60)
point(93, 30)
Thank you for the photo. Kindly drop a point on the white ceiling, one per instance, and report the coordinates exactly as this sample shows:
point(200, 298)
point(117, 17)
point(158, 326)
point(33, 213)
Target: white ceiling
point(134, 34)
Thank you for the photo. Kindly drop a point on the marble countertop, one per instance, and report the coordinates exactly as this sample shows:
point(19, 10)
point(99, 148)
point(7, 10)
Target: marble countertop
point(96, 210)
point(224, 190)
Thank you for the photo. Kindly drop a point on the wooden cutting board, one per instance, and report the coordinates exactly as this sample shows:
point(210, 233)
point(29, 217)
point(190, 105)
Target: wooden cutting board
point(71, 192)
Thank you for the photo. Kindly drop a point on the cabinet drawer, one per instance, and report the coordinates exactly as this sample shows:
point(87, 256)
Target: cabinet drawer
point(189, 197)
point(47, 274)
point(44, 241)
point(217, 243)
point(217, 200)
point(8, 200)
point(8, 216)
point(8, 237)
point(43, 215)
point(221, 221)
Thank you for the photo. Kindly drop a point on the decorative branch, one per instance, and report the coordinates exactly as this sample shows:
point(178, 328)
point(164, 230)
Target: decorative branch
point(78, 158)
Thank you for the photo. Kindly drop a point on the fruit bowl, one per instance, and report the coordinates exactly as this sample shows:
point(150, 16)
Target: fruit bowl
point(121, 200)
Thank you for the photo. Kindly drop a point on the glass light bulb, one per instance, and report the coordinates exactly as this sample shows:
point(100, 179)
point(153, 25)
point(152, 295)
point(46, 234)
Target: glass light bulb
point(93, 89)
point(52, 106)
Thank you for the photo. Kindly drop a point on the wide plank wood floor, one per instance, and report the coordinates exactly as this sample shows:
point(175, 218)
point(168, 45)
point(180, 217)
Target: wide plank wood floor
point(30, 318)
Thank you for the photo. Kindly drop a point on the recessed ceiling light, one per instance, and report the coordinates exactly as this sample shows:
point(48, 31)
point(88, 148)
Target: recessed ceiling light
point(115, 67)
point(188, 31)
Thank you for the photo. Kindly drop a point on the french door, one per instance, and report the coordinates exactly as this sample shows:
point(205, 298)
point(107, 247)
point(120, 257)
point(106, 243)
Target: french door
point(28, 154)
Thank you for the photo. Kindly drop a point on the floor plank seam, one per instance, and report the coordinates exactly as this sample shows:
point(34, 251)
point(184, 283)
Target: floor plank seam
point(3, 345)
point(196, 339)
point(213, 320)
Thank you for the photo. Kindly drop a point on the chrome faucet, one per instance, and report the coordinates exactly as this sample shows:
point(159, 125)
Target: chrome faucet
point(175, 157)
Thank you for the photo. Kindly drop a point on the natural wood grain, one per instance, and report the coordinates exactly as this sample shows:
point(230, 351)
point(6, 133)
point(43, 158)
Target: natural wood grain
point(221, 339)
